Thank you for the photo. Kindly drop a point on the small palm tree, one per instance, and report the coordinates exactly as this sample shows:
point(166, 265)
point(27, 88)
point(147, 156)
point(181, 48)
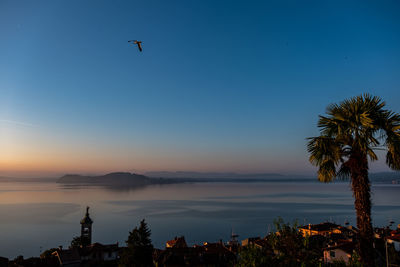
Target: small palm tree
point(350, 133)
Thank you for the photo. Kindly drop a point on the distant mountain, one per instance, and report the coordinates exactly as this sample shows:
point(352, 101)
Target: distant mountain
point(182, 176)
point(385, 177)
point(115, 178)
point(164, 177)
point(132, 179)
point(211, 175)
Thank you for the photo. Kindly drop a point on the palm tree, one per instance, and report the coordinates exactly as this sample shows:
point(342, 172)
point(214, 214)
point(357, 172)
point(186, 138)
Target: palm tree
point(350, 133)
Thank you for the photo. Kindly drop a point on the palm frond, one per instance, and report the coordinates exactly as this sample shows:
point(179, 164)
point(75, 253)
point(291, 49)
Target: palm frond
point(327, 171)
point(393, 154)
point(344, 172)
point(325, 153)
point(322, 149)
point(356, 125)
point(371, 154)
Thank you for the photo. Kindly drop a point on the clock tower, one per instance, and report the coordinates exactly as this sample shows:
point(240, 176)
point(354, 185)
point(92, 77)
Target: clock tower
point(86, 229)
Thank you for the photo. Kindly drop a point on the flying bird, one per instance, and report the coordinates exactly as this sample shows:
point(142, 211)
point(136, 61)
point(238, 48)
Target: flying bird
point(138, 43)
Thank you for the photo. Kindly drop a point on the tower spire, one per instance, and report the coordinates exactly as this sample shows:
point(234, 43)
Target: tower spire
point(86, 229)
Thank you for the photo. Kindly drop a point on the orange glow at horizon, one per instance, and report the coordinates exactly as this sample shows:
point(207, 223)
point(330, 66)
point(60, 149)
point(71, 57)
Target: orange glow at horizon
point(37, 151)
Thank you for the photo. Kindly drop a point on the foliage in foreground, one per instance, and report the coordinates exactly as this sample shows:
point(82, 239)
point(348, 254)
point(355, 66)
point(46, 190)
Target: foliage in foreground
point(251, 256)
point(139, 251)
point(287, 247)
point(80, 241)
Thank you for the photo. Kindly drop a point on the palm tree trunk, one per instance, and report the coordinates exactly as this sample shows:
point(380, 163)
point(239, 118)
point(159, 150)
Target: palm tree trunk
point(362, 202)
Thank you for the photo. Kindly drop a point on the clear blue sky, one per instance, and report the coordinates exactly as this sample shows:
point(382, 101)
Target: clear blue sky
point(219, 86)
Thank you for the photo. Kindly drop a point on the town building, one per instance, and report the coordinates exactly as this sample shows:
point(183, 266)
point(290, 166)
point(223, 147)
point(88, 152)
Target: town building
point(68, 257)
point(340, 252)
point(324, 229)
point(177, 242)
point(87, 253)
point(208, 254)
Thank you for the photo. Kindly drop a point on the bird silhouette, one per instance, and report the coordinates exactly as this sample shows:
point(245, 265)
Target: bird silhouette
point(138, 43)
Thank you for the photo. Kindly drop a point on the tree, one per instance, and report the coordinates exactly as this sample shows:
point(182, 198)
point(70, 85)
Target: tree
point(80, 241)
point(350, 133)
point(139, 251)
point(292, 248)
point(251, 256)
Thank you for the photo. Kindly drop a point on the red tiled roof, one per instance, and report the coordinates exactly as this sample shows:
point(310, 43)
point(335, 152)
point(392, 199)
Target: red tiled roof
point(68, 255)
point(177, 242)
point(171, 242)
point(326, 226)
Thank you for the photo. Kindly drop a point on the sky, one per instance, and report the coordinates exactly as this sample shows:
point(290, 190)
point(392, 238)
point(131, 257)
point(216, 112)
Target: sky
point(220, 85)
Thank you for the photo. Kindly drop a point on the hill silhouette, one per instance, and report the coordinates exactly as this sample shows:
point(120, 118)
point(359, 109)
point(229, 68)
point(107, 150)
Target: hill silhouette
point(115, 178)
point(163, 177)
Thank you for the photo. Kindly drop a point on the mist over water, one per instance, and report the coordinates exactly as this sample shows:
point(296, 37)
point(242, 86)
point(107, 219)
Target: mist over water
point(39, 216)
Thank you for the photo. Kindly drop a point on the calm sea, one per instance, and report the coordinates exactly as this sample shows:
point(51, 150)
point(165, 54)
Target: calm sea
point(38, 216)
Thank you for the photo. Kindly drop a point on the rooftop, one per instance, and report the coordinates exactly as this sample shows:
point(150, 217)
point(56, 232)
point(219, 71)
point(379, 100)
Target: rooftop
point(326, 226)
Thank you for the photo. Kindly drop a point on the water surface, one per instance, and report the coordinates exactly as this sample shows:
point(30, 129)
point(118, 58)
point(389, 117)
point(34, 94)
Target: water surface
point(38, 216)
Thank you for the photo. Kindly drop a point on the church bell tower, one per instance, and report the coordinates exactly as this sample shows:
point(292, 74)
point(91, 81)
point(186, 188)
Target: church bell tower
point(86, 229)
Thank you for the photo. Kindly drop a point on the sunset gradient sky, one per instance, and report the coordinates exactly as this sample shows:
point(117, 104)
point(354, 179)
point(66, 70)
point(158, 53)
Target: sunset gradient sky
point(220, 85)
